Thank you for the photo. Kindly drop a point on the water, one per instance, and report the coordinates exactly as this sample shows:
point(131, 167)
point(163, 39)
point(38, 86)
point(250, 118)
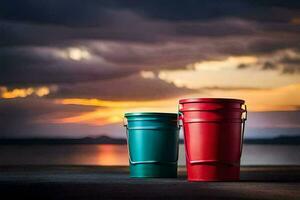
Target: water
point(117, 155)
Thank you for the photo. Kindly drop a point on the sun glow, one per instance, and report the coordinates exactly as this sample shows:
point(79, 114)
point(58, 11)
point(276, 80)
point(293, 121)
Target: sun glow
point(110, 112)
point(74, 53)
point(97, 117)
point(78, 54)
point(147, 74)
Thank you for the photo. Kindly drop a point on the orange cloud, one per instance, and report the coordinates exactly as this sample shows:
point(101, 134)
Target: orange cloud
point(117, 104)
point(286, 98)
point(97, 117)
point(23, 92)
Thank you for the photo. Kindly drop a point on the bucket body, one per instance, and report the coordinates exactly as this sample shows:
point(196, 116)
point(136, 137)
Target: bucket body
point(152, 140)
point(213, 137)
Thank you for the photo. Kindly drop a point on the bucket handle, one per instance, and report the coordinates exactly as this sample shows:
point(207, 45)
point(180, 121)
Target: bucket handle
point(244, 118)
point(125, 123)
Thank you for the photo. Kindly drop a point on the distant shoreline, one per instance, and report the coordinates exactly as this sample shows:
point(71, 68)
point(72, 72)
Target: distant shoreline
point(120, 141)
point(63, 141)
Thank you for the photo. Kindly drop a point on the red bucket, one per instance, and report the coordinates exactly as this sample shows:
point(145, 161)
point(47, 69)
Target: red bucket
point(213, 137)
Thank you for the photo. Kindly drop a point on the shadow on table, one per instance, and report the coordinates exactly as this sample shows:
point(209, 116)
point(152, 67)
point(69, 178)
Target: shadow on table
point(271, 174)
point(263, 174)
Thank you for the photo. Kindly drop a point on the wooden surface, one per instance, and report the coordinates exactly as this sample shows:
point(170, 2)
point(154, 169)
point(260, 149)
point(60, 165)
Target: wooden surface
point(92, 182)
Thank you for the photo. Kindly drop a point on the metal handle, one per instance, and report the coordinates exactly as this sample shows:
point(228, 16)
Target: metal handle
point(125, 123)
point(180, 118)
point(244, 118)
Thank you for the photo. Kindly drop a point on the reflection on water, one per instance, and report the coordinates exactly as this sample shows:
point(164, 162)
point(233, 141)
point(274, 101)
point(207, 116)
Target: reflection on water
point(63, 155)
point(111, 155)
point(117, 155)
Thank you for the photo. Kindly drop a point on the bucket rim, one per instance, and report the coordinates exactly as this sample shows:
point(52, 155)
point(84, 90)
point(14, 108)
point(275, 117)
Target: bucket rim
point(211, 100)
point(160, 114)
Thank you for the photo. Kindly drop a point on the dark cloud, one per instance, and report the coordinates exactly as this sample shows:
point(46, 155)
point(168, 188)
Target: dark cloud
point(134, 36)
point(291, 69)
point(243, 66)
point(129, 88)
point(25, 66)
point(291, 61)
point(16, 33)
point(70, 13)
point(269, 66)
point(96, 12)
point(286, 62)
point(43, 22)
point(291, 64)
point(194, 10)
point(270, 42)
point(230, 88)
point(142, 30)
point(112, 58)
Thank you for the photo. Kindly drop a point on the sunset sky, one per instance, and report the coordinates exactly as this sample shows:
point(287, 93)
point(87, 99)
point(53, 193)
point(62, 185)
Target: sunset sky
point(73, 68)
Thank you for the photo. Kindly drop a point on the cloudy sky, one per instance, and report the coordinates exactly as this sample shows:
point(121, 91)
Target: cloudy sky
point(71, 68)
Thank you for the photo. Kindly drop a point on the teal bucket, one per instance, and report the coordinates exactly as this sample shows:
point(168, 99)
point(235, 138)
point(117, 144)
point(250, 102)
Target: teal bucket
point(152, 140)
